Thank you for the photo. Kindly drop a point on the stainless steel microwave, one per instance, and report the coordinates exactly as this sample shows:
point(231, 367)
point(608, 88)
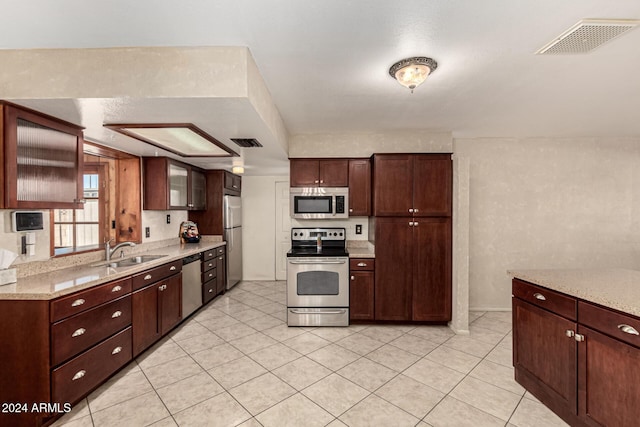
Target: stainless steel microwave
point(319, 202)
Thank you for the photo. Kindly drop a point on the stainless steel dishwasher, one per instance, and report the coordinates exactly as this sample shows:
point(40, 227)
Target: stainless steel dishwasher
point(191, 284)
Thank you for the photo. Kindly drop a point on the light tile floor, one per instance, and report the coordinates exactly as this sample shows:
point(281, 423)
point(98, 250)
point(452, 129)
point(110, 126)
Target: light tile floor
point(236, 363)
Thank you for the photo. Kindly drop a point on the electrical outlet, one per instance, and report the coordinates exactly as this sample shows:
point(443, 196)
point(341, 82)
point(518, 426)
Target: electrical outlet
point(147, 232)
point(358, 228)
point(168, 219)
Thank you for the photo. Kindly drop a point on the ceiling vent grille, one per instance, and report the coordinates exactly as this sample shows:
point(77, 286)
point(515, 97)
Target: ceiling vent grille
point(247, 142)
point(587, 35)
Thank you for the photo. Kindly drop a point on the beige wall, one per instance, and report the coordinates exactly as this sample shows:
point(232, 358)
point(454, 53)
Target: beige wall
point(548, 203)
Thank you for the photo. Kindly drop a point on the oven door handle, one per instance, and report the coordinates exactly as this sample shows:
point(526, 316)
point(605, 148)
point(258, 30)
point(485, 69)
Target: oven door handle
point(318, 312)
point(317, 262)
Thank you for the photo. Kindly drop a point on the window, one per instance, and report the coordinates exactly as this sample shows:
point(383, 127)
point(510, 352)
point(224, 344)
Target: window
point(77, 230)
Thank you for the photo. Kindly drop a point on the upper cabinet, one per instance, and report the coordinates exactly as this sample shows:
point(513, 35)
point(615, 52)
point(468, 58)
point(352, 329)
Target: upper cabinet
point(43, 158)
point(233, 183)
point(319, 172)
point(412, 184)
point(219, 183)
point(359, 187)
point(170, 184)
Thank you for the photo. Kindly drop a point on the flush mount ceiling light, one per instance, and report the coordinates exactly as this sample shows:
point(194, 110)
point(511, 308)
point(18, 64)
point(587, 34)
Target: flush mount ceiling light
point(412, 72)
point(237, 170)
point(183, 139)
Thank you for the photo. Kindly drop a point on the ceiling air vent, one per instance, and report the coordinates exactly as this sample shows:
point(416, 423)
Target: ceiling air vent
point(247, 142)
point(587, 35)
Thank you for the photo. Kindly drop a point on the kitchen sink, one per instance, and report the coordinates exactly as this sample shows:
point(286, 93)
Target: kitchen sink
point(128, 262)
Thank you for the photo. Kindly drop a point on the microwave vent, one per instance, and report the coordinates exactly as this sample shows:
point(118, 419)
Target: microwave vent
point(247, 142)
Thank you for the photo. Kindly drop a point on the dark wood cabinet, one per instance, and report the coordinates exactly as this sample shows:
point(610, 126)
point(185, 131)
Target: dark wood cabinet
point(319, 172)
point(213, 273)
point(393, 270)
point(49, 173)
point(170, 184)
point(412, 185)
point(359, 187)
point(219, 183)
point(60, 350)
point(413, 269)
point(361, 289)
point(158, 308)
point(544, 355)
point(578, 358)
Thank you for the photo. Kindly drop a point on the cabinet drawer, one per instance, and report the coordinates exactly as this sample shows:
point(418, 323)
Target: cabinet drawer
point(220, 250)
point(75, 334)
point(361, 264)
point(84, 300)
point(209, 264)
point(610, 322)
point(555, 302)
point(79, 376)
point(209, 275)
point(207, 255)
point(209, 291)
point(153, 275)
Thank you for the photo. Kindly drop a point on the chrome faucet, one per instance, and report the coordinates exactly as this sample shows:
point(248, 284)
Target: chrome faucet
point(108, 251)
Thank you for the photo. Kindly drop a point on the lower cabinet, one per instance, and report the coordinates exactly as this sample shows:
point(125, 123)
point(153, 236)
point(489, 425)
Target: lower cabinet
point(213, 273)
point(158, 308)
point(580, 359)
point(413, 269)
point(361, 289)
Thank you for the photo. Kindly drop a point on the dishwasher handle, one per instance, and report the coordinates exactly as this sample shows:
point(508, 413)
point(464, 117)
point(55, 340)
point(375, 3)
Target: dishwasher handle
point(191, 258)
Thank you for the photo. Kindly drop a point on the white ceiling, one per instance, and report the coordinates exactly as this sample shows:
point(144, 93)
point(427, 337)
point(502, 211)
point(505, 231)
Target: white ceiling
point(326, 62)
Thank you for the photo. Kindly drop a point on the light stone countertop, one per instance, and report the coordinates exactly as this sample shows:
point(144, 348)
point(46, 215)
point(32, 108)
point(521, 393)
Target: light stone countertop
point(360, 249)
point(618, 289)
point(65, 281)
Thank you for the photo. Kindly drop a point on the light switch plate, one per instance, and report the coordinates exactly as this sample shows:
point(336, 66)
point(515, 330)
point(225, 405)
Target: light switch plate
point(147, 232)
point(168, 219)
point(358, 228)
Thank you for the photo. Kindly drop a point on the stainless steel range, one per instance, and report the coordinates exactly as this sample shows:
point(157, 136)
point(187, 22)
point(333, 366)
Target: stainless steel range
point(318, 278)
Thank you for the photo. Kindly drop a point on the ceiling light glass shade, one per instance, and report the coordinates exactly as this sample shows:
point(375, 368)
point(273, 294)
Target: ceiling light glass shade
point(412, 72)
point(237, 170)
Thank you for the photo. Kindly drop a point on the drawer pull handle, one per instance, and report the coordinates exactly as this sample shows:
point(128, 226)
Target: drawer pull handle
point(173, 267)
point(78, 332)
point(78, 375)
point(628, 329)
point(539, 296)
point(148, 277)
point(579, 337)
point(362, 264)
point(116, 350)
point(77, 302)
point(116, 314)
point(220, 258)
point(210, 264)
point(210, 290)
point(210, 254)
point(116, 288)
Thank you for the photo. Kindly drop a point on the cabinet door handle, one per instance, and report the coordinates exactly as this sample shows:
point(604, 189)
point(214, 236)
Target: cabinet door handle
point(78, 375)
point(410, 210)
point(539, 296)
point(350, 210)
point(315, 182)
point(78, 332)
point(116, 314)
point(569, 333)
point(162, 287)
point(410, 223)
point(628, 329)
point(210, 290)
point(77, 302)
point(116, 350)
point(362, 264)
point(172, 268)
point(234, 186)
point(116, 288)
point(353, 278)
point(148, 277)
point(415, 210)
point(579, 337)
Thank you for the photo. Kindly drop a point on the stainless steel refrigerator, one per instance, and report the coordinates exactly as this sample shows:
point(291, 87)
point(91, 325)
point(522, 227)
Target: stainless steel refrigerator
point(233, 237)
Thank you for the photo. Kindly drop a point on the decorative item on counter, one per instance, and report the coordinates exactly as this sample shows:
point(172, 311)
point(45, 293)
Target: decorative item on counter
point(7, 275)
point(189, 232)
